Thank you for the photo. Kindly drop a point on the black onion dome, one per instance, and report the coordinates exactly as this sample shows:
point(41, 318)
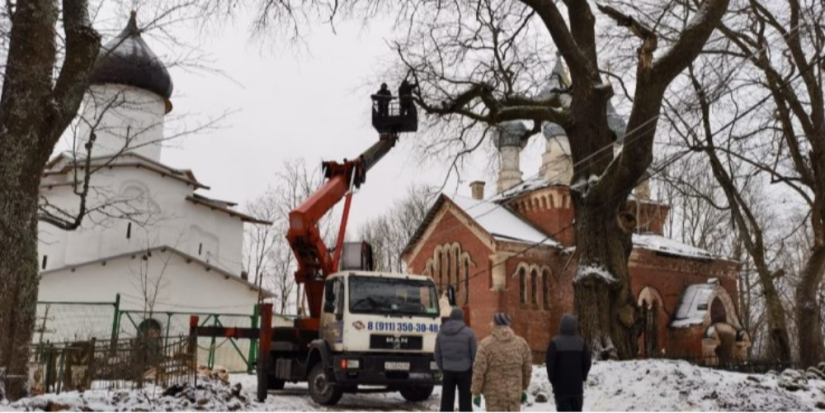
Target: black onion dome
point(128, 60)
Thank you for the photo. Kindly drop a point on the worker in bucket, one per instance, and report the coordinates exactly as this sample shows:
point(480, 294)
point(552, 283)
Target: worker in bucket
point(382, 98)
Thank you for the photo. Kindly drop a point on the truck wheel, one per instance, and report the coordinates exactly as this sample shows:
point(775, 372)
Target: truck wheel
point(322, 391)
point(417, 393)
point(274, 384)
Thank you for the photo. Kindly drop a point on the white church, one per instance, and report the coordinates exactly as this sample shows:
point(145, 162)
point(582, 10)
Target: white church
point(150, 237)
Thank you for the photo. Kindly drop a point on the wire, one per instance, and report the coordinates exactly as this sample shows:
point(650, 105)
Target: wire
point(668, 163)
point(634, 134)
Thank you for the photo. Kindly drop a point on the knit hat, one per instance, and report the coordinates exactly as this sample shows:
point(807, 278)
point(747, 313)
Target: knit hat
point(457, 314)
point(501, 319)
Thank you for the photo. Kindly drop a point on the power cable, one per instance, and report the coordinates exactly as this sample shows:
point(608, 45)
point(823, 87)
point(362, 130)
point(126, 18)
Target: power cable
point(633, 134)
point(668, 163)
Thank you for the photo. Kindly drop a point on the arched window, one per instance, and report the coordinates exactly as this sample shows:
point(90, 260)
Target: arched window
point(459, 287)
point(467, 281)
point(534, 288)
point(717, 312)
point(438, 267)
point(522, 279)
point(545, 289)
point(449, 269)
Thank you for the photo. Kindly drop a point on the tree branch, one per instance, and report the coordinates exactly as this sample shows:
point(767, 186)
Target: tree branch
point(582, 71)
point(82, 46)
point(690, 43)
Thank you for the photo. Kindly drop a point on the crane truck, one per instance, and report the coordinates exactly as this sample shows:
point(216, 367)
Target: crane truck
point(366, 330)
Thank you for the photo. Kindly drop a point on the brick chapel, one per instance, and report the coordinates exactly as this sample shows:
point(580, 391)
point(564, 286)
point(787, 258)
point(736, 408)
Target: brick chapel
point(513, 252)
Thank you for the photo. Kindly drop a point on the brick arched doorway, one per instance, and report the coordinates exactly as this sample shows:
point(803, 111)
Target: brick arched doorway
point(650, 302)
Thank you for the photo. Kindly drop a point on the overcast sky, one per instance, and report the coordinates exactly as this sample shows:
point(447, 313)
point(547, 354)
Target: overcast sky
point(309, 102)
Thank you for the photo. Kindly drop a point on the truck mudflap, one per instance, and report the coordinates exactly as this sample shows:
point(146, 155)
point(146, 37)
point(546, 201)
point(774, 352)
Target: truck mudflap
point(385, 369)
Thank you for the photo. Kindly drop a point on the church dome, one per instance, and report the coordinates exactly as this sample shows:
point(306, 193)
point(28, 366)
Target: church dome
point(128, 60)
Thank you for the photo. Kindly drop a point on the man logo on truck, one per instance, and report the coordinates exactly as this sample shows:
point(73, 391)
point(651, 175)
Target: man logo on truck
point(397, 341)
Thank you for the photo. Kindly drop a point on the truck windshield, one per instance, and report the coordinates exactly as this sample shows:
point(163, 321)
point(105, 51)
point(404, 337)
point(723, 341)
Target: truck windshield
point(375, 295)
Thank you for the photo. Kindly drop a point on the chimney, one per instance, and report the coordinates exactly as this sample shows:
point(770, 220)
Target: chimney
point(508, 140)
point(477, 188)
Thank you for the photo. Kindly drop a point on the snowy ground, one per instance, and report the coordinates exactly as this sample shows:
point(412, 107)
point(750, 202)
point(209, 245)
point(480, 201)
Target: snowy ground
point(612, 386)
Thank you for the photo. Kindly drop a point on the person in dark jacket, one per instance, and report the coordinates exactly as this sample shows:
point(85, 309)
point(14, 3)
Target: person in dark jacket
point(405, 99)
point(382, 98)
point(568, 362)
point(455, 352)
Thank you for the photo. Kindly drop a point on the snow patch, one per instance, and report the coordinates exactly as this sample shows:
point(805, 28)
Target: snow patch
point(585, 271)
point(638, 385)
point(501, 223)
point(531, 184)
point(656, 242)
point(693, 305)
point(583, 186)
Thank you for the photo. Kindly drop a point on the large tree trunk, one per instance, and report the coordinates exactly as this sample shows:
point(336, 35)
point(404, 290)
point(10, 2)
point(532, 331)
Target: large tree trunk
point(35, 109)
point(779, 347)
point(602, 295)
point(808, 324)
point(26, 103)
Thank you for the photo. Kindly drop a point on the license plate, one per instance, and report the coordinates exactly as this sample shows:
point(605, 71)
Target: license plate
point(397, 366)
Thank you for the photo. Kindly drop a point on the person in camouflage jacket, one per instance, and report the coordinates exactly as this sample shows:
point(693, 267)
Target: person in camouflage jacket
point(502, 368)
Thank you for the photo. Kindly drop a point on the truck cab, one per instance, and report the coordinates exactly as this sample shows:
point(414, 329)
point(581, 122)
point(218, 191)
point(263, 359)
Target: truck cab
point(378, 329)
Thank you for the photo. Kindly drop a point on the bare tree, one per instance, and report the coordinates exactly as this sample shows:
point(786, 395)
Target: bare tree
point(481, 63)
point(730, 215)
point(765, 80)
point(799, 125)
point(35, 109)
point(699, 214)
point(45, 77)
point(389, 232)
point(267, 253)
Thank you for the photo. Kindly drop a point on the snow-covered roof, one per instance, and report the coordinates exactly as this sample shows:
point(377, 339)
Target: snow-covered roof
point(501, 223)
point(64, 163)
point(656, 242)
point(531, 184)
point(693, 306)
point(163, 248)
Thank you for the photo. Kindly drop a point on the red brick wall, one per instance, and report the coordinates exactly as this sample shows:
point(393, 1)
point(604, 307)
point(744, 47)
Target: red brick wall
point(550, 209)
point(483, 302)
point(670, 275)
point(667, 274)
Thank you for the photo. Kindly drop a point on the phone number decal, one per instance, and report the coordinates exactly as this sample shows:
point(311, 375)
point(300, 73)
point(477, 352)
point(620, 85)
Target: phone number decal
point(402, 327)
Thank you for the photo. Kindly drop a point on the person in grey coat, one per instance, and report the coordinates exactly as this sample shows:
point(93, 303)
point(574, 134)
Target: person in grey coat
point(455, 353)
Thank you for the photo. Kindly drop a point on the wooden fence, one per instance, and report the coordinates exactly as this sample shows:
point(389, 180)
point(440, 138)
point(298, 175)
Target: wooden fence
point(112, 364)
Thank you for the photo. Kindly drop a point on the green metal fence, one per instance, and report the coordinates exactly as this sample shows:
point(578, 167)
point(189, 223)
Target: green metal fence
point(61, 321)
point(234, 355)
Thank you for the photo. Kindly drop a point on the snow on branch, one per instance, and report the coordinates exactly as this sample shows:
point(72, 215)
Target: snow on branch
point(592, 271)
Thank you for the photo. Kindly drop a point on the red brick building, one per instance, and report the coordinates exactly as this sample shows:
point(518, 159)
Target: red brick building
point(513, 253)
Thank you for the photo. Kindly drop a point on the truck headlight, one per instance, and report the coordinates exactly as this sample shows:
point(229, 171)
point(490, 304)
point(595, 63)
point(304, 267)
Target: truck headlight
point(350, 364)
point(433, 365)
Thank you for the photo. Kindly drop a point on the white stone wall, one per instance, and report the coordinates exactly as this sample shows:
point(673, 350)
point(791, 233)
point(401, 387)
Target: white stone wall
point(212, 236)
point(122, 117)
point(182, 286)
